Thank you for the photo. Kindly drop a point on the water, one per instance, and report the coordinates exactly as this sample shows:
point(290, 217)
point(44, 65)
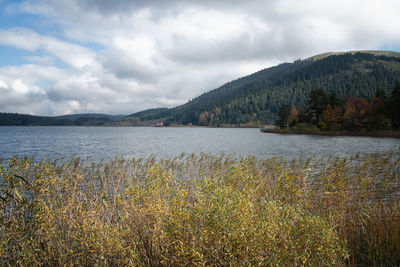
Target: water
point(108, 142)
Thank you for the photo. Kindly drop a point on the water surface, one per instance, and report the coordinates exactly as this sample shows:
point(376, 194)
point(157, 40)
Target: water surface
point(108, 142)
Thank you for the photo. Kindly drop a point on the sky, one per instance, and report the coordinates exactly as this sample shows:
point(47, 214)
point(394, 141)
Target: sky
point(122, 56)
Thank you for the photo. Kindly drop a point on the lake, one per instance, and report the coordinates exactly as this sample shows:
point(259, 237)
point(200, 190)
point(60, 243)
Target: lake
point(98, 143)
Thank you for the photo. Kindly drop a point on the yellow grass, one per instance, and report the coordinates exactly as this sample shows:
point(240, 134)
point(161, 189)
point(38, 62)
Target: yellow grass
point(201, 210)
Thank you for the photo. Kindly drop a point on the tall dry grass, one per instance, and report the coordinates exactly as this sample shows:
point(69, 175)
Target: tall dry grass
point(201, 210)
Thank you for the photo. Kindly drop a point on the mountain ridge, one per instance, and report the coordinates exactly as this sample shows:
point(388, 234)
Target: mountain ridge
point(373, 52)
point(85, 119)
point(255, 99)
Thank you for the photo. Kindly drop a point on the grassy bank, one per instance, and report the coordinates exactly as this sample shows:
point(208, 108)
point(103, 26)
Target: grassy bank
point(201, 210)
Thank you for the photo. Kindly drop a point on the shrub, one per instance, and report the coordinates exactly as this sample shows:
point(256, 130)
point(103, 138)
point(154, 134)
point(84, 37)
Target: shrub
point(201, 210)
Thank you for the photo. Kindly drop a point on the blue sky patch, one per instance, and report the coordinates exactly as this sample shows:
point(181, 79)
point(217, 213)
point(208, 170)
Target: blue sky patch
point(13, 56)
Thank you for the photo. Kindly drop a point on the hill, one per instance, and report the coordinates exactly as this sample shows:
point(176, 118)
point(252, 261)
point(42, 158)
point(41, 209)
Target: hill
point(255, 99)
point(75, 119)
point(373, 52)
point(90, 119)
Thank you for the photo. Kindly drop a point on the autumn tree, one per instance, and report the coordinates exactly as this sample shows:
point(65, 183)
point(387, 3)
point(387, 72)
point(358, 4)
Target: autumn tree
point(331, 118)
point(377, 113)
point(394, 106)
point(293, 116)
point(203, 118)
point(349, 114)
point(318, 102)
point(283, 113)
point(288, 116)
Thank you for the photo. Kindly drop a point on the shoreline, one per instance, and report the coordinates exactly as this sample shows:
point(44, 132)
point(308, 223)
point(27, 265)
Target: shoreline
point(380, 133)
point(138, 126)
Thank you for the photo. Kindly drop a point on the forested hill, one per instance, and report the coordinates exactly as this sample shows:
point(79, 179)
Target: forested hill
point(255, 99)
point(76, 119)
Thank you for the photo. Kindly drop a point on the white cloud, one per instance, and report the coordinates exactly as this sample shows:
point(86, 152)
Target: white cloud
point(124, 56)
point(19, 87)
point(3, 85)
point(41, 60)
point(72, 54)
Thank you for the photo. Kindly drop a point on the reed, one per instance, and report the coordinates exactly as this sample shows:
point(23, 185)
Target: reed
point(201, 210)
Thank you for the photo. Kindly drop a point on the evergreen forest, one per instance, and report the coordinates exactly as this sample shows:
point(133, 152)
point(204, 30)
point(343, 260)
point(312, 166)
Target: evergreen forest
point(255, 100)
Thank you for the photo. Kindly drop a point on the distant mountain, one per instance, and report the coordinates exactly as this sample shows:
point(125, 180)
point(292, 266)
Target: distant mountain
point(255, 99)
point(76, 119)
point(90, 119)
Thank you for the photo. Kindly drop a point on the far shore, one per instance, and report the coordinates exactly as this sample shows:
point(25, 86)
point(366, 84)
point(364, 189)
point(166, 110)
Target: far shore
point(376, 133)
point(264, 129)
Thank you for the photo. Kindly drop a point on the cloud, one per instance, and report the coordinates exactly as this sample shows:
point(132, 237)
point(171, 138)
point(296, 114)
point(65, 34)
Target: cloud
point(26, 39)
point(19, 87)
point(134, 58)
point(124, 56)
point(41, 60)
point(3, 85)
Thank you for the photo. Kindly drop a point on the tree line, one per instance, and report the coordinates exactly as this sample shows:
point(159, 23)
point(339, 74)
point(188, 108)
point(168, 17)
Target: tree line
point(328, 112)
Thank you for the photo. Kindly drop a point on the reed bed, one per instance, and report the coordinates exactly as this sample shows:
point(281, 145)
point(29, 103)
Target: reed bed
point(201, 210)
